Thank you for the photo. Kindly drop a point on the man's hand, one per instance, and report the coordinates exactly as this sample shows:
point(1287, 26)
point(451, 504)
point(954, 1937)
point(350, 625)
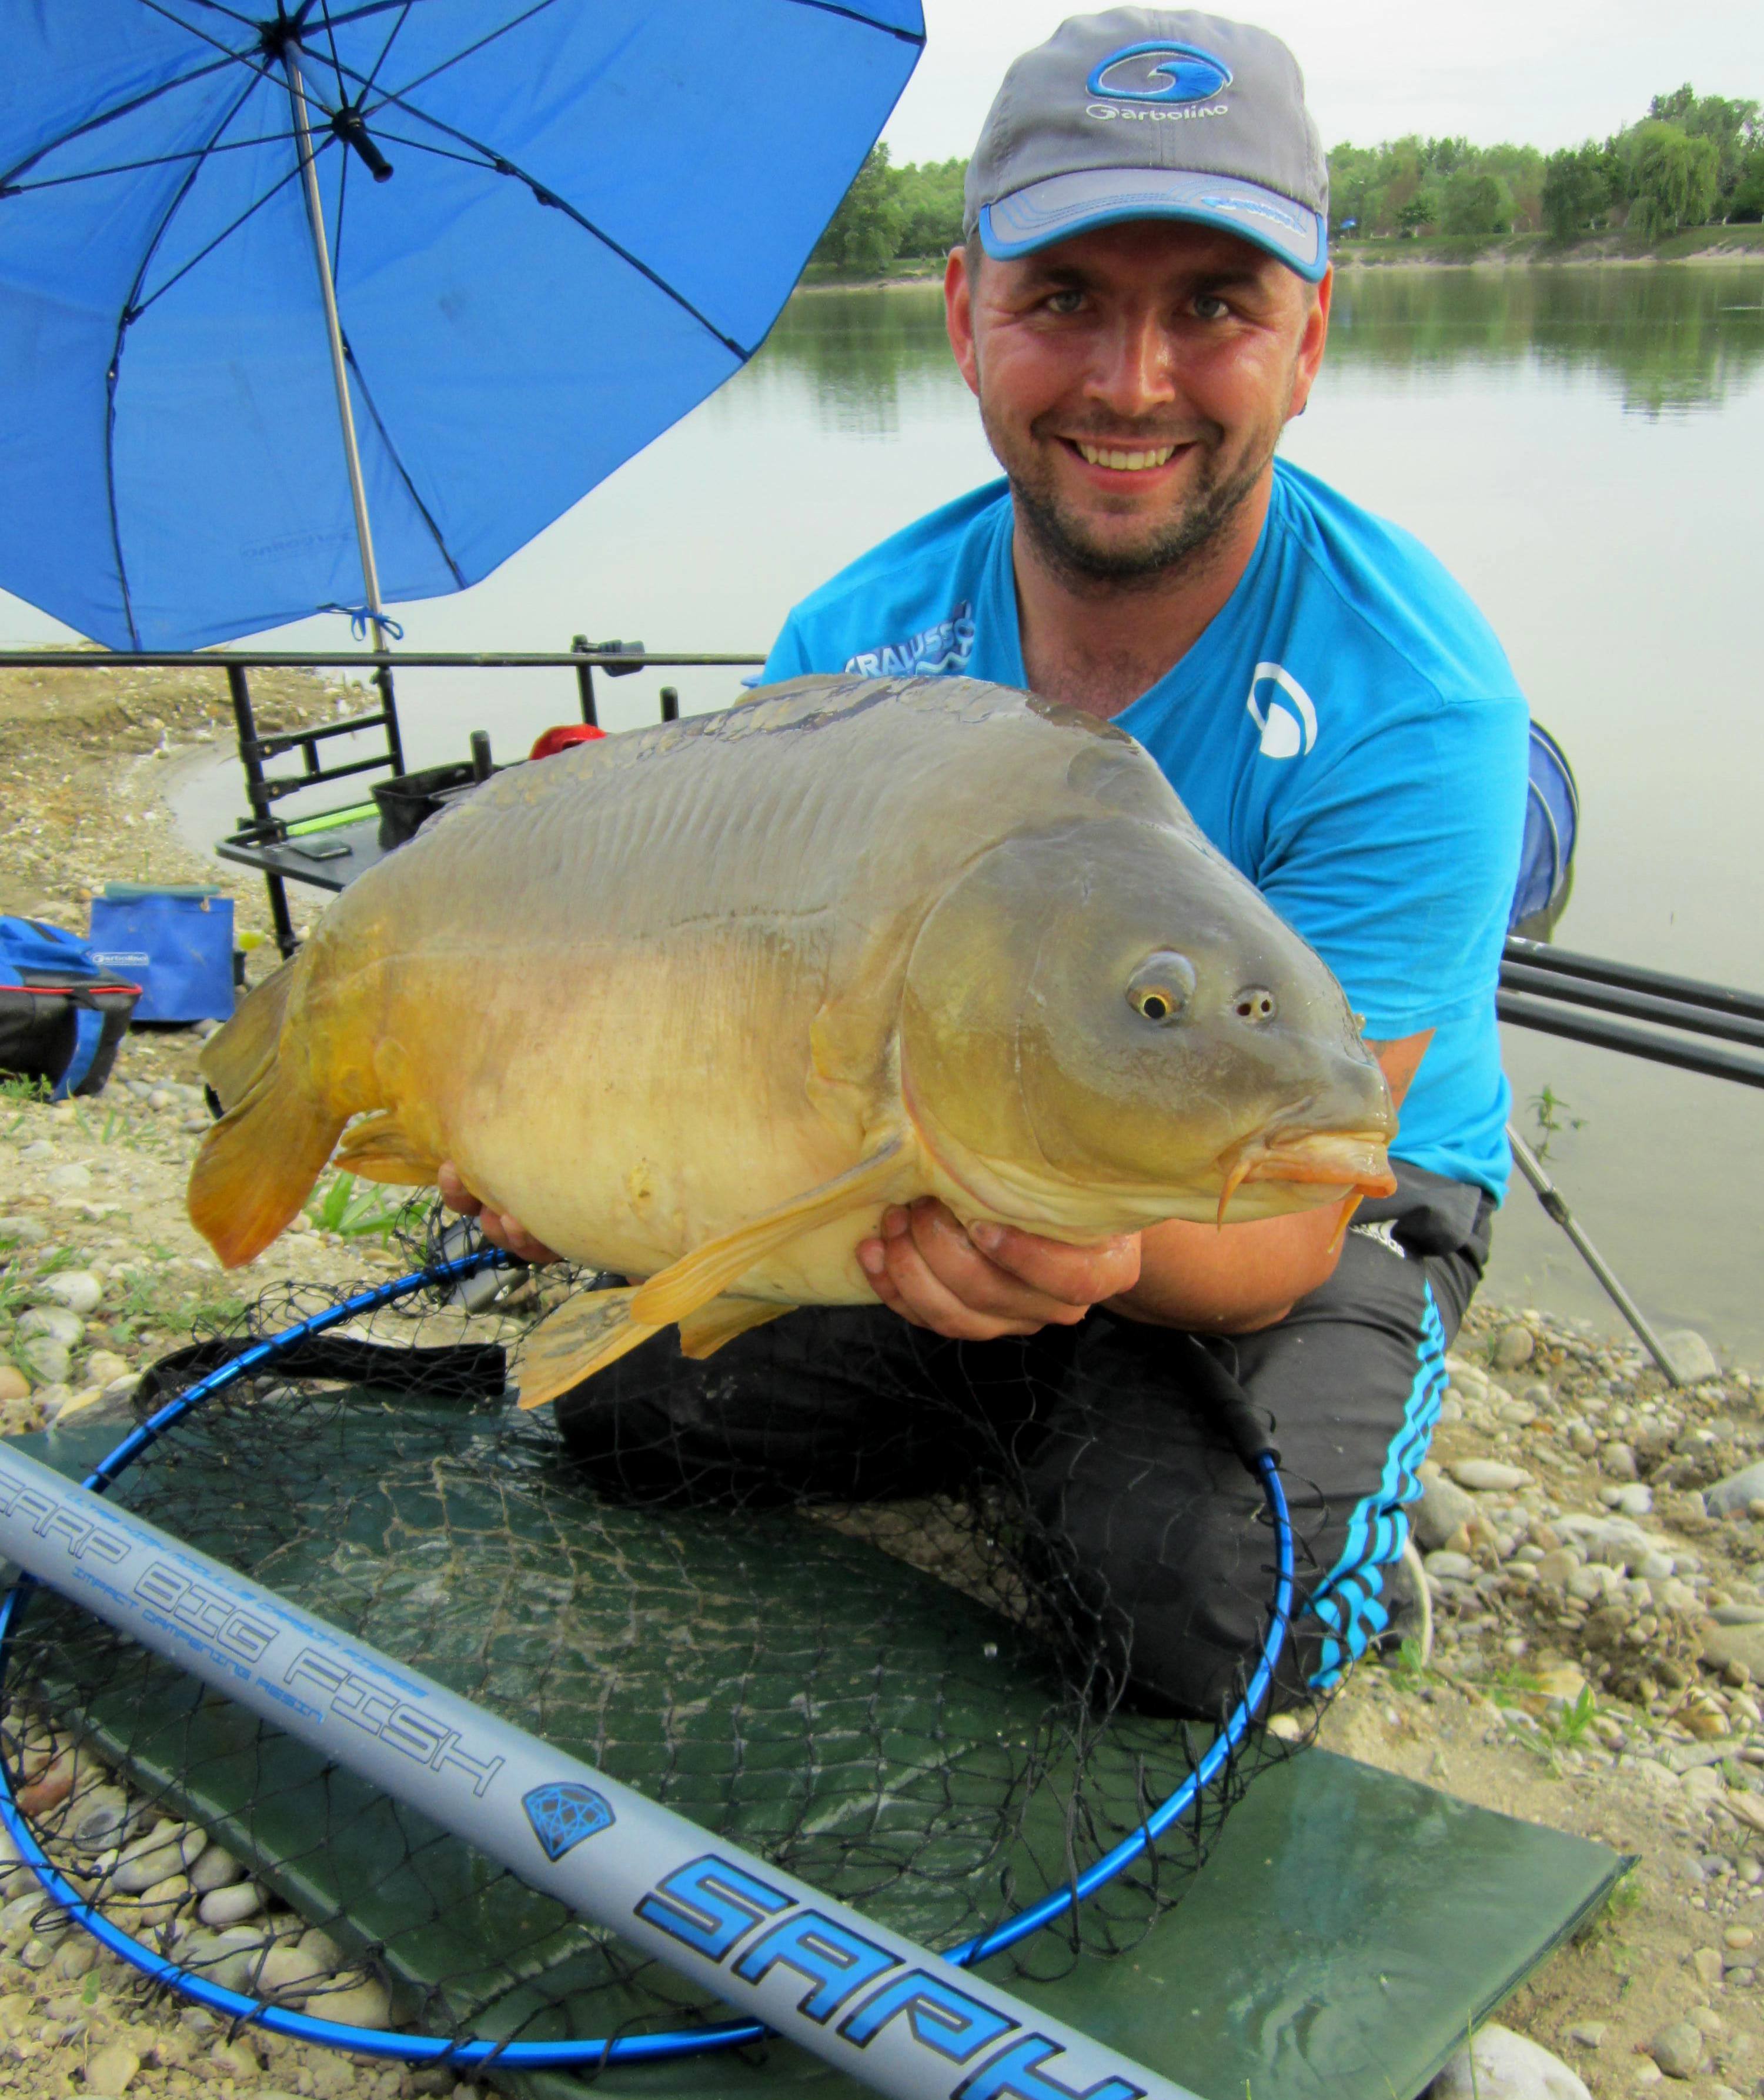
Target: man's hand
point(976, 1285)
point(496, 1226)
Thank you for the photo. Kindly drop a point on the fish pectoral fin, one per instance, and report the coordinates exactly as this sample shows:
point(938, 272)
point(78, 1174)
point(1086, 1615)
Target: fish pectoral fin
point(705, 1273)
point(703, 1333)
point(584, 1335)
point(380, 1148)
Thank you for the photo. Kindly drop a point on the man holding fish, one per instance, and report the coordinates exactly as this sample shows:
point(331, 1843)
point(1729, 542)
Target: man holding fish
point(1142, 303)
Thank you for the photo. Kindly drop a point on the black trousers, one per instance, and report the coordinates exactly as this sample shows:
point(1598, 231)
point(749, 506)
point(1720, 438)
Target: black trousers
point(1139, 1534)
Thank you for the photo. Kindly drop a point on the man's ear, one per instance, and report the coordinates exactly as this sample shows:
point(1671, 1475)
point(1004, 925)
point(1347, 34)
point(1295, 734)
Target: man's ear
point(958, 314)
point(1313, 336)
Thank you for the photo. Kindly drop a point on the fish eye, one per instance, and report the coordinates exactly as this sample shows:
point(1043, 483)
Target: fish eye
point(1160, 989)
point(1254, 1003)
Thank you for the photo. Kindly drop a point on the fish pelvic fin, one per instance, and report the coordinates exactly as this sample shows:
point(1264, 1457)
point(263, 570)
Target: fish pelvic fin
point(584, 1335)
point(238, 1054)
point(258, 1165)
point(380, 1148)
point(707, 1271)
point(703, 1333)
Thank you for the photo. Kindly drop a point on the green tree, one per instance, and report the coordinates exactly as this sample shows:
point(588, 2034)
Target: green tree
point(1473, 202)
point(1576, 190)
point(1747, 201)
point(930, 197)
point(864, 234)
point(1675, 176)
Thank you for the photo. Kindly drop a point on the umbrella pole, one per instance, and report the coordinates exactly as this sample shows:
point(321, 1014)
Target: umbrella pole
point(1554, 1206)
point(345, 415)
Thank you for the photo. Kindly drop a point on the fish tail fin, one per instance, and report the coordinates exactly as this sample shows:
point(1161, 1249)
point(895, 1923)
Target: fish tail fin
point(258, 1162)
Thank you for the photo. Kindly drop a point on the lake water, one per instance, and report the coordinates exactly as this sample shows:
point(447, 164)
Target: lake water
point(1582, 448)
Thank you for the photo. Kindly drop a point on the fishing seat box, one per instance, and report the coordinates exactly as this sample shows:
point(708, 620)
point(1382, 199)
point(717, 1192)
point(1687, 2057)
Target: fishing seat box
point(177, 943)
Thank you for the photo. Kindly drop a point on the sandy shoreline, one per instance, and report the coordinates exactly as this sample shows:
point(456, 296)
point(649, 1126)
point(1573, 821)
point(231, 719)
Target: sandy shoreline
point(1529, 253)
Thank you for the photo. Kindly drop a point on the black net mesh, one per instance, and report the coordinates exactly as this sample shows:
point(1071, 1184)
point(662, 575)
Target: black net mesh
point(835, 1623)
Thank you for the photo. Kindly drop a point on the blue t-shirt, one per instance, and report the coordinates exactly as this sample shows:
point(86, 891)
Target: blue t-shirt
point(1346, 731)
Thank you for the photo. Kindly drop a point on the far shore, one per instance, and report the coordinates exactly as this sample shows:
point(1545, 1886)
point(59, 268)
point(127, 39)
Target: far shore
point(1704, 244)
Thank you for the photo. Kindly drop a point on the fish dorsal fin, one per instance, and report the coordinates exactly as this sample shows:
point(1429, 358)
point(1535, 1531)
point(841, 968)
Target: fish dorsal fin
point(584, 1335)
point(703, 1333)
point(380, 1148)
point(709, 1271)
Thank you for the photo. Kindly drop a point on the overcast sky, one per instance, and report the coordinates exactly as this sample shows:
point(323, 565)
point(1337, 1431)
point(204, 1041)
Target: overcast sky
point(1544, 72)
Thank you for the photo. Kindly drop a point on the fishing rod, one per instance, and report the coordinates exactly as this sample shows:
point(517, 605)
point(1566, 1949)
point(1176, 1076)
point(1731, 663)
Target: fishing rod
point(1559, 992)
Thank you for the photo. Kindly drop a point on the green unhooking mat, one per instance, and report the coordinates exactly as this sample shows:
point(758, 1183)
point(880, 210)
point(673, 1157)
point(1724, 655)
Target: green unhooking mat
point(876, 1731)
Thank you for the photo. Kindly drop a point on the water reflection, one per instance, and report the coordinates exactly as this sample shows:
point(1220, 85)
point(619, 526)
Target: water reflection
point(1664, 340)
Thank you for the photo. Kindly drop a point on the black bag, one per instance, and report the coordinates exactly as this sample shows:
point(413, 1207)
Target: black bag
point(62, 1017)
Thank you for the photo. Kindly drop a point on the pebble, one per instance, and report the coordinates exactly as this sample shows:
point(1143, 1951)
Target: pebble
point(1692, 1357)
point(1735, 1492)
point(1443, 1509)
point(110, 2069)
point(1451, 1567)
point(1515, 1348)
point(230, 1905)
point(23, 1231)
point(1677, 2050)
point(163, 1852)
point(103, 1367)
point(1487, 1475)
point(215, 1869)
point(1740, 1936)
point(1589, 2033)
point(1616, 1461)
point(78, 1289)
point(13, 1385)
point(358, 2002)
point(1497, 2064)
point(290, 1972)
point(71, 1180)
point(56, 1323)
point(39, 1147)
point(48, 1362)
point(1706, 1960)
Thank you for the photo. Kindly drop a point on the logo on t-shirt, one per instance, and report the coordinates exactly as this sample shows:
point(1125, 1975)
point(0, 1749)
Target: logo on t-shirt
point(1289, 725)
point(944, 648)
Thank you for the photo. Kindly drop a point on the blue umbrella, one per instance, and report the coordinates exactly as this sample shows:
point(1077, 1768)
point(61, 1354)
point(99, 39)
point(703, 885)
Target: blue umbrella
point(341, 306)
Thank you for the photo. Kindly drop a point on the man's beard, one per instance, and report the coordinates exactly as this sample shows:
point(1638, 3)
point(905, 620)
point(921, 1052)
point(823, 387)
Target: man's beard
point(1178, 544)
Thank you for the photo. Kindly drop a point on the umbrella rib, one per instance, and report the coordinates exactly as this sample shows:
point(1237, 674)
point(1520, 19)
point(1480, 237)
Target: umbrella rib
point(157, 161)
point(110, 117)
point(421, 508)
point(126, 319)
point(865, 21)
point(497, 164)
point(208, 249)
point(385, 49)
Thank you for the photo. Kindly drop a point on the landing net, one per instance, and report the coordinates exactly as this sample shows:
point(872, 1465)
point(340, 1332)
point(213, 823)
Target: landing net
point(906, 1701)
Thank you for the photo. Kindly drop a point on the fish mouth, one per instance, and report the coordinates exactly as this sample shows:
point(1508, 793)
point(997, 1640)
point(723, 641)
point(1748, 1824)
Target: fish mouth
point(1350, 1160)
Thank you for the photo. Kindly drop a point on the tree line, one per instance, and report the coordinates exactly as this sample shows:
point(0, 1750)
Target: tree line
point(1691, 159)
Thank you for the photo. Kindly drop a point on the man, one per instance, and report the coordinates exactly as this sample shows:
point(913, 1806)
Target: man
point(1140, 303)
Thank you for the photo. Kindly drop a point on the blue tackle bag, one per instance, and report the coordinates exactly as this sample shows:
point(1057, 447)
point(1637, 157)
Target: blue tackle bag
point(177, 943)
point(62, 1015)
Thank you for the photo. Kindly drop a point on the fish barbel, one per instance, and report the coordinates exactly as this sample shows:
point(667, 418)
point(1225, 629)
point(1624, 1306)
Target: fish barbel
point(697, 1002)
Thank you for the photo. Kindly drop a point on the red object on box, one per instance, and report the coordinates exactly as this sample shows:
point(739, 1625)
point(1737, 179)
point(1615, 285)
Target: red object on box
point(561, 739)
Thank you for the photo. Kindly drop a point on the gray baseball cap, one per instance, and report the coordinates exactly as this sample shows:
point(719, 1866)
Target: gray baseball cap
point(1143, 113)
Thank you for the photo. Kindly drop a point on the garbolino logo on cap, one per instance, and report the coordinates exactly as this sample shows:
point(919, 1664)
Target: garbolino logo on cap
point(1142, 114)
